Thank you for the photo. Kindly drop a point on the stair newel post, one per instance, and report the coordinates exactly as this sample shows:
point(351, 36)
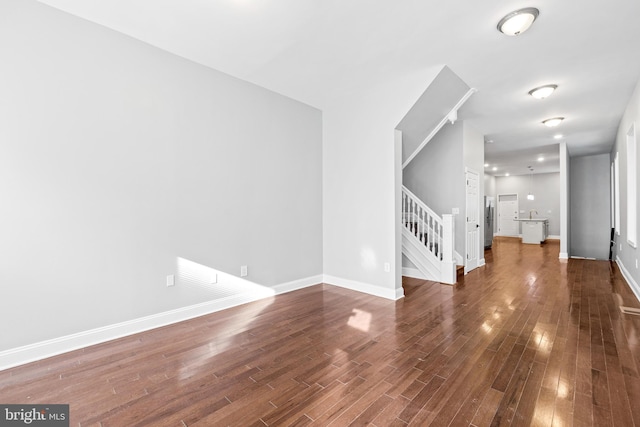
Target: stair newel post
point(448, 264)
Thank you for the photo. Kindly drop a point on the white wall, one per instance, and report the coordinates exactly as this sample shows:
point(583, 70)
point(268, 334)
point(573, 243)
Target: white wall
point(361, 207)
point(117, 158)
point(626, 255)
point(546, 190)
point(437, 176)
point(590, 206)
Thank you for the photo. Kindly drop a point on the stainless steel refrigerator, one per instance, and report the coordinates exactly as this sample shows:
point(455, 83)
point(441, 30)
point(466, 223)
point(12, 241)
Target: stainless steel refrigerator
point(489, 206)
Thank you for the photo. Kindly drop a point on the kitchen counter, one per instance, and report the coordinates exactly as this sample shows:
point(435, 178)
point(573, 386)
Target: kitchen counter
point(534, 230)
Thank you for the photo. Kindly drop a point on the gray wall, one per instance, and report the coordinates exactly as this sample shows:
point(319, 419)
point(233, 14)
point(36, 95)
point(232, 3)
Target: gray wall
point(489, 185)
point(119, 158)
point(565, 206)
point(546, 189)
point(627, 256)
point(439, 98)
point(590, 208)
point(473, 155)
point(436, 175)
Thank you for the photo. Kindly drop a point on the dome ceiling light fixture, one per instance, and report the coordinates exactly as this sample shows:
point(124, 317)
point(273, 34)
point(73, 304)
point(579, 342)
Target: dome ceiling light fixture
point(553, 122)
point(518, 22)
point(543, 91)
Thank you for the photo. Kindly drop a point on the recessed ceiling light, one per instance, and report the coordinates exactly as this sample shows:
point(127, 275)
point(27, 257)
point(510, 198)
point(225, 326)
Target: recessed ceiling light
point(541, 159)
point(558, 136)
point(486, 165)
point(553, 122)
point(542, 91)
point(488, 141)
point(494, 168)
point(518, 22)
point(506, 174)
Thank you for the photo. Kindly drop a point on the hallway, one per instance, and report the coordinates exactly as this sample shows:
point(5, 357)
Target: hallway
point(525, 340)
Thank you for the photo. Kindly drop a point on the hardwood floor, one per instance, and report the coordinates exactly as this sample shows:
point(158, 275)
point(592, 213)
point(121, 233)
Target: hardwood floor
point(525, 340)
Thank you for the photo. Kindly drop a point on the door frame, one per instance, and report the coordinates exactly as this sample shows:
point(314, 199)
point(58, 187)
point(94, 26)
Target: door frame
point(498, 213)
point(467, 266)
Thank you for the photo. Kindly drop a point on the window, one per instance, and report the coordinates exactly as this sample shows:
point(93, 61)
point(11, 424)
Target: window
point(632, 165)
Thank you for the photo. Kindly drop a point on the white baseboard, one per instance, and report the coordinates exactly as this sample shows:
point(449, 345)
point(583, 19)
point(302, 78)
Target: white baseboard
point(563, 255)
point(413, 272)
point(294, 285)
point(392, 294)
point(482, 262)
point(41, 350)
point(627, 276)
point(553, 237)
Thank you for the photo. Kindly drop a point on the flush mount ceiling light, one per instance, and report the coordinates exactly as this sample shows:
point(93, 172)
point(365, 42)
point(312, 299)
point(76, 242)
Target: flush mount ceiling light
point(518, 22)
point(558, 136)
point(553, 122)
point(543, 91)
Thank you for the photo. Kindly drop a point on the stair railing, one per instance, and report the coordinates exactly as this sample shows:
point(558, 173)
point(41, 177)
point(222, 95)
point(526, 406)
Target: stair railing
point(434, 232)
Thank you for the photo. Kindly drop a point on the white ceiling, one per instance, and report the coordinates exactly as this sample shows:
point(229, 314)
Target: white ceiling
point(316, 51)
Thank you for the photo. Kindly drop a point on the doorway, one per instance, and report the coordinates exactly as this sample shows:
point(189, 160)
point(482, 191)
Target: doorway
point(507, 215)
point(472, 223)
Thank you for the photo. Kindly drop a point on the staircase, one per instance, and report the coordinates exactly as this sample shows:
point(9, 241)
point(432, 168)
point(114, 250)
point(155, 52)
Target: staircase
point(427, 239)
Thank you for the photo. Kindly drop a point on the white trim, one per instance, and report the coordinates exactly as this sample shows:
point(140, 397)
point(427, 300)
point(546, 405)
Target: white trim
point(41, 350)
point(458, 258)
point(467, 249)
point(553, 237)
point(392, 294)
point(482, 262)
point(498, 214)
point(563, 255)
point(294, 285)
point(439, 126)
point(413, 273)
point(627, 276)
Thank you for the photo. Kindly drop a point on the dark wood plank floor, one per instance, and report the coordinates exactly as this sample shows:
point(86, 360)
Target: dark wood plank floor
point(525, 340)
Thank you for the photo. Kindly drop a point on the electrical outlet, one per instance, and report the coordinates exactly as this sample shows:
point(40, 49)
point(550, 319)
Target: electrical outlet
point(455, 211)
point(387, 266)
point(636, 262)
point(243, 271)
point(171, 280)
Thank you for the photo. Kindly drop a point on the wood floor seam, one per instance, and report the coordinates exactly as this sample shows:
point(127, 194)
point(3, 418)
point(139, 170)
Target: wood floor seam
point(527, 339)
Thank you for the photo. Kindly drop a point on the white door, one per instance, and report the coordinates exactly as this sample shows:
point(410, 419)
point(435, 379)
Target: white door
point(507, 212)
point(473, 222)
